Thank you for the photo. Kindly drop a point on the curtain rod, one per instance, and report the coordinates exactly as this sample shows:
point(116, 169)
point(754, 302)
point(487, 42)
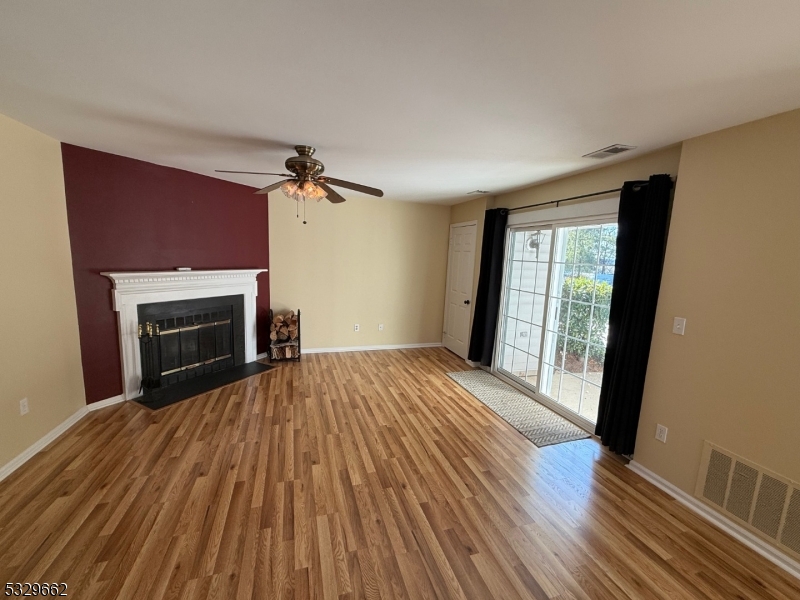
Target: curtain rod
point(557, 202)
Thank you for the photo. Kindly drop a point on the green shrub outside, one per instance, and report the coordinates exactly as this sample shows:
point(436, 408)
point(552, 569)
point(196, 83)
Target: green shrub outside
point(581, 318)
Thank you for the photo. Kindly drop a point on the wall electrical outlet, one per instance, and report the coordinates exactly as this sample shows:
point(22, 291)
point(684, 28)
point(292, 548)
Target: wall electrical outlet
point(380, 327)
point(23, 406)
point(356, 327)
point(679, 326)
point(661, 433)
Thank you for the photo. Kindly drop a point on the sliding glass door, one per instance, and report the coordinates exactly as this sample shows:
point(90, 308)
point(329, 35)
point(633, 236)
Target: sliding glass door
point(554, 315)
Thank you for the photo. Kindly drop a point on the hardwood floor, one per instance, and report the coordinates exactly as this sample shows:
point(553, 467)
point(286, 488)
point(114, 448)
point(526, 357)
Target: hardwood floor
point(358, 475)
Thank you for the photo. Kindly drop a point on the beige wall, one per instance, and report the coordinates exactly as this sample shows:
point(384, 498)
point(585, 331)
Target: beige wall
point(38, 318)
point(733, 271)
point(366, 261)
point(604, 178)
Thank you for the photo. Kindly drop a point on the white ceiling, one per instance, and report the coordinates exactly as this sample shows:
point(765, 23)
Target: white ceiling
point(425, 99)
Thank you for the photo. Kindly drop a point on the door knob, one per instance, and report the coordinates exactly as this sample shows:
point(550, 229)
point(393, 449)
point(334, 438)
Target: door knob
point(466, 301)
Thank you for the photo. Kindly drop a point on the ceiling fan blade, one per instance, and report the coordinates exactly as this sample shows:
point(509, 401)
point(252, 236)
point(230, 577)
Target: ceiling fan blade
point(272, 187)
point(254, 173)
point(333, 195)
point(353, 186)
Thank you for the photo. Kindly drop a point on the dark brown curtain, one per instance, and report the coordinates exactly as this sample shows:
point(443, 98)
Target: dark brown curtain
point(490, 283)
point(644, 211)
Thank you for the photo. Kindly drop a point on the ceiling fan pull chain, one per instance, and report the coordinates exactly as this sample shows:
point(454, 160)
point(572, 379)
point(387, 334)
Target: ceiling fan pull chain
point(304, 212)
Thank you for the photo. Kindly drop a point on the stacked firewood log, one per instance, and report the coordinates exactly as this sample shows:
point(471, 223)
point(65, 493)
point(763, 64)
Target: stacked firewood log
point(283, 333)
point(283, 327)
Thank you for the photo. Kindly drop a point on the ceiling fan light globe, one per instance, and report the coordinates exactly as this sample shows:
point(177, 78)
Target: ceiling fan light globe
point(312, 191)
point(290, 189)
point(319, 193)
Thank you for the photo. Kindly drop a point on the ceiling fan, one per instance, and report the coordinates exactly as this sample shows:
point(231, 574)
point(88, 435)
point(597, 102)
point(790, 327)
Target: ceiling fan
point(307, 181)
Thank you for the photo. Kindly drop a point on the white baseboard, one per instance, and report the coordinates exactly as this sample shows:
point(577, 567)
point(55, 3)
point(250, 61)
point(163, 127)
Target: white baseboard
point(31, 451)
point(262, 356)
point(106, 402)
point(42, 443)
point(367, 348)
point(730, 527)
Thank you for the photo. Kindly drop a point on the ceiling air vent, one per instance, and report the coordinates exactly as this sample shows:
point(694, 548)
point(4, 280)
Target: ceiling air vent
point(608, 151)
point(762, 501)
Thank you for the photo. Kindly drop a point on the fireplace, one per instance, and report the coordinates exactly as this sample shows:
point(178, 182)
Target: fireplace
point(184, 339)
point(187, 307)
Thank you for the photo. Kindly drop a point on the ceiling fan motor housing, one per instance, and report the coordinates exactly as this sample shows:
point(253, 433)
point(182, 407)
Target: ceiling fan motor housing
point(304, 165)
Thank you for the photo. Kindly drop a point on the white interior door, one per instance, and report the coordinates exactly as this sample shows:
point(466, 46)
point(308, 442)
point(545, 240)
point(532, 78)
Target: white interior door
point(460, 268)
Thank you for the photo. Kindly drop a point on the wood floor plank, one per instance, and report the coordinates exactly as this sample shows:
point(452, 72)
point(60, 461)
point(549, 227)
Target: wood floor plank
point(348, 476)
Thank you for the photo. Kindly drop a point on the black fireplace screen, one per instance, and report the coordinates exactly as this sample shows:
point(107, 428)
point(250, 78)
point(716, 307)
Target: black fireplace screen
point(189, 338)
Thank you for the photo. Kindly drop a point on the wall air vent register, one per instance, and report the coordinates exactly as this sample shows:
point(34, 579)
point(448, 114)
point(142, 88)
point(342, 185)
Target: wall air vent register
point(762, 501)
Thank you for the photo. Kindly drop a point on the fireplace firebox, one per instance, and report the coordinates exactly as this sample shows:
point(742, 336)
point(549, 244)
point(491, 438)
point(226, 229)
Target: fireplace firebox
point(185, 339)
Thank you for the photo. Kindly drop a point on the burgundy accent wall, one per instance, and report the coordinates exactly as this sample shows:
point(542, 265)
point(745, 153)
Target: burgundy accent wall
point(130, 215)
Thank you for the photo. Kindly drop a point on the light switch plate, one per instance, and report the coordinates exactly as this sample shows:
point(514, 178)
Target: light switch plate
point(679, 326)
point(23, 406)
point(661, 433)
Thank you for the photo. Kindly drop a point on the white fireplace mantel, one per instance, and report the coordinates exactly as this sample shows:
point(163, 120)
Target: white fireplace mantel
point(132, 289)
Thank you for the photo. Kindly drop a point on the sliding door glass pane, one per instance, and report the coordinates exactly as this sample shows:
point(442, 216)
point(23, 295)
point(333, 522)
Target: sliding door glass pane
point(576, 327)
point(522, 317)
